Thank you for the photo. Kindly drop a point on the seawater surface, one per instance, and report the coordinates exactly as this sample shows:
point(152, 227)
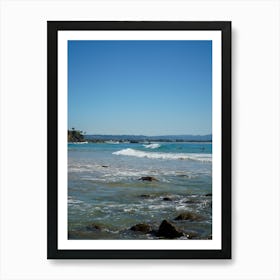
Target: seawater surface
point(106, 195)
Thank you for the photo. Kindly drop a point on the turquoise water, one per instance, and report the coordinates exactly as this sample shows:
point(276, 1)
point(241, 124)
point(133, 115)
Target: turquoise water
point(104, 189)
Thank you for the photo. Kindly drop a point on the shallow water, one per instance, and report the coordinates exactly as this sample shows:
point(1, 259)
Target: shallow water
point(104, 188)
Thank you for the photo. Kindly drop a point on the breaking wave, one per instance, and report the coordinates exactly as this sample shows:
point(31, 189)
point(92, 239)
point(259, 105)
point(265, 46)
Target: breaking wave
point(172, 156)
point(152, 146)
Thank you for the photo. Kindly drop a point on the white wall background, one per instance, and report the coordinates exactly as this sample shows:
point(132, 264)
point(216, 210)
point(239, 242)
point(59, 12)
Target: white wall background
point(255, 137)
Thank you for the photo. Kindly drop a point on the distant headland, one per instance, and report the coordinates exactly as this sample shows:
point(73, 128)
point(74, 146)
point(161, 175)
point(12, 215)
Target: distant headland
point(75, 136)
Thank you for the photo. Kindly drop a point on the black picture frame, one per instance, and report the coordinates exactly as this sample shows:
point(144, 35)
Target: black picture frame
point(53, 27)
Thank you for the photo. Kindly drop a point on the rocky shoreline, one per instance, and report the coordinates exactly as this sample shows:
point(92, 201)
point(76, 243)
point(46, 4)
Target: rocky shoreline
point(179, 227)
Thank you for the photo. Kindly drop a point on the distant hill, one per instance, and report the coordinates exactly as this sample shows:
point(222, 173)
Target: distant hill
point(141, 138)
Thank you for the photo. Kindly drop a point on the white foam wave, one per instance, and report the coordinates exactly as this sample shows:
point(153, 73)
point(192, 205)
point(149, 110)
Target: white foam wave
point(112, 142)
point(152, 146)
point(74, 201)
point(174, 156)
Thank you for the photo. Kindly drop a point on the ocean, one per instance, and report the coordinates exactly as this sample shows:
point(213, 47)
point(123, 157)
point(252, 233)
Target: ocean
point(114, 186)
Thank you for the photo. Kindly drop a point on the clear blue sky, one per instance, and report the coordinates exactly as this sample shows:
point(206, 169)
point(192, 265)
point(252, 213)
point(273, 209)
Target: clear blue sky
point(140, 87)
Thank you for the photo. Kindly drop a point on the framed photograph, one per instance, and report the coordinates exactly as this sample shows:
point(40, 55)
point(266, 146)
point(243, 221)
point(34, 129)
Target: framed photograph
point(139, 140)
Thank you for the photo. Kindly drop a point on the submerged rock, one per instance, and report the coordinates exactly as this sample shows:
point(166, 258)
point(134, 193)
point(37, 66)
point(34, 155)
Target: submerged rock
point(167, 199)
point(168, 230)
point(93, 227)
point(146, 196)
point(144, 228)
point(148, 178)
point(191, 201)
point(189, 216)
point(183, 175)
point(105, 166)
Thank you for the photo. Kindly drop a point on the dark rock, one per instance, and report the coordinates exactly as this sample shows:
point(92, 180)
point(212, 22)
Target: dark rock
point(105, 166)
point(144, 228)
point(208, 194)
point(168, 230)
point(153, 232)
point(148, 178)
point(189, 216)
point(93, 227)
point(167, 199)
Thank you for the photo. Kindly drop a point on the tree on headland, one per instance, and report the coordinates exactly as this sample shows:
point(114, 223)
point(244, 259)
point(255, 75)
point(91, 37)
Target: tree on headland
point(75, 135)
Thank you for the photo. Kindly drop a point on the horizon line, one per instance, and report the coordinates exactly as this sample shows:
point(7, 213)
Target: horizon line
point(149, 135)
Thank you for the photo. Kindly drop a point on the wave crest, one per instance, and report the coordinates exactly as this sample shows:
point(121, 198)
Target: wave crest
point(155, 155)
point(152, 146)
